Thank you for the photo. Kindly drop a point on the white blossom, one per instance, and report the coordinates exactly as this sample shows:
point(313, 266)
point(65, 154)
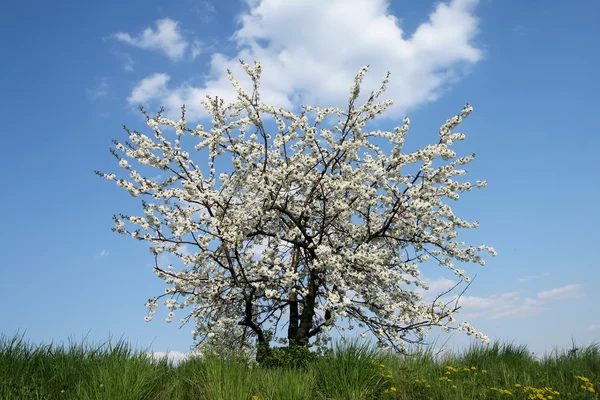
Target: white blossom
point(332, 211)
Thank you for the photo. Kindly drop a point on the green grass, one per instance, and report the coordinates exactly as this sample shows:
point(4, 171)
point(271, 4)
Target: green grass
point(351, 372)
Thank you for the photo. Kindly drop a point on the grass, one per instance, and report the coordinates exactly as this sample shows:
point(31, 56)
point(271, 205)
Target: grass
point(351, 372)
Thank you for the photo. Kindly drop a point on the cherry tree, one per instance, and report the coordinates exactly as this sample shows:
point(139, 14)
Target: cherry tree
point(342, 226)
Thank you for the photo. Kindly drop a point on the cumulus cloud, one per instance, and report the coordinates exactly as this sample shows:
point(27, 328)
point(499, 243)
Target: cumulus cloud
point(436, 288)
point(513, 304)
point(311, 51)
point(150, 87)
point(563, 293)
point(440, 285)
point(500, 306)
point(166, 38)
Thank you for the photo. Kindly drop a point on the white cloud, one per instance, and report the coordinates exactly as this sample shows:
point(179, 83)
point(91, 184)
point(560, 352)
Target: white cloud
point(204, 10)
point(499, 306)
point(527, 278)
point(102, 254)
point(126, 58)
point(532, 277)
point(196, 48)
point(311, 51)
point(207, 6)
point(562, 293)
point(594, 327)
point(174, 356)
point(436, 288)
point(513, 304)
point(153, 86)
point(440, 285)
point(128, 62)
point(100, 90)
point(167, 38)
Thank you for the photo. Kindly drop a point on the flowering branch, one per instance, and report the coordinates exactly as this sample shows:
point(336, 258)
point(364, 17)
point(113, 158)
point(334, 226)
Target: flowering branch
point(299, 195)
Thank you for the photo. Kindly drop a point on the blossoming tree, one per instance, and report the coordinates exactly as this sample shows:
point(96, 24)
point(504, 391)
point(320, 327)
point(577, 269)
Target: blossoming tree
point(343, 227)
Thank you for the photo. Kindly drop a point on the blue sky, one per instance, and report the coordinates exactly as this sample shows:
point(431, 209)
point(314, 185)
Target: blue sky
point(73, 72)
